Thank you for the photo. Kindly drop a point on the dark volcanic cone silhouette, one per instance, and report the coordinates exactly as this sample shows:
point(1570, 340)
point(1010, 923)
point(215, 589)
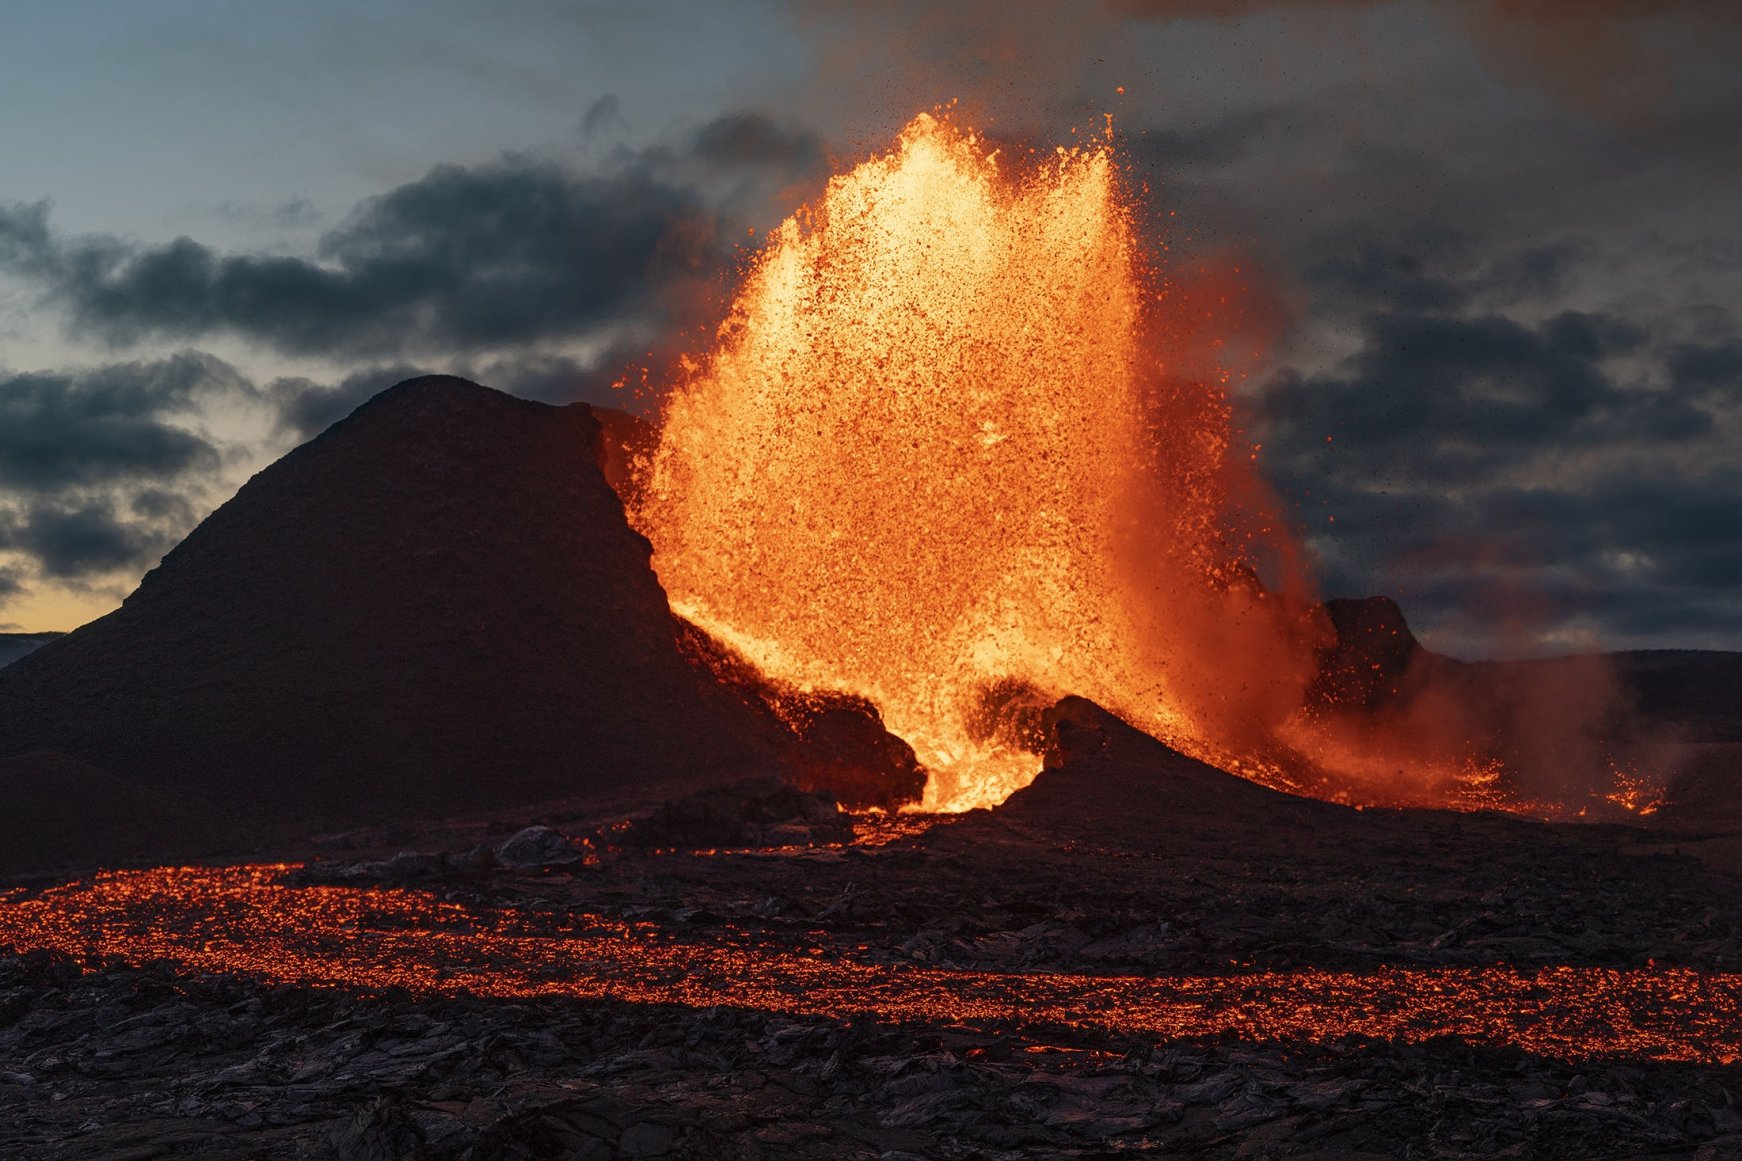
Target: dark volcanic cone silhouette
point(435, 607)
point(1106, 781)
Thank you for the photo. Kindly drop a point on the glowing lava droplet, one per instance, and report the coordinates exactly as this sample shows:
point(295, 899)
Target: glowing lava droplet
point(931, 462)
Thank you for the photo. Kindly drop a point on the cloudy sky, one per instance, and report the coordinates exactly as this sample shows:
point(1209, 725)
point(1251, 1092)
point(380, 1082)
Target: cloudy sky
point(1490, 251)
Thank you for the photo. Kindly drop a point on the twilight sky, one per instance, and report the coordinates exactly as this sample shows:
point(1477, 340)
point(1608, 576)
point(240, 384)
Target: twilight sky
point(1491, 249)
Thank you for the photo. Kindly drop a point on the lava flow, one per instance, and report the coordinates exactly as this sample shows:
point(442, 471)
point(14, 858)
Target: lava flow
point(248, 921)
point(935, 461)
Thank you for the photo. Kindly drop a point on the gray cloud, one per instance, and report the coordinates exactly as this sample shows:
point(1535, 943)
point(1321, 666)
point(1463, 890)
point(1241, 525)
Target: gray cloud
point(1493, 467)
point(604, 115)
point(1707, 369)
point(1495, 363)
point(306, 407)
point(114, 423)
point(508, 253)
point(1462, 395)
point(747, 139)
point(1218, 143)
point(97, 466)
point(90, 538)
point(517, 252)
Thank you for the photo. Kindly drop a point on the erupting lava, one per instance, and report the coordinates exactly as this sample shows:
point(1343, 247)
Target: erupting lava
point(935, 461)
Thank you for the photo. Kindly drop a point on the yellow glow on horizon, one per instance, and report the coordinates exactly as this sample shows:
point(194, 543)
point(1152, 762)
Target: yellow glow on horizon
point(41, 608)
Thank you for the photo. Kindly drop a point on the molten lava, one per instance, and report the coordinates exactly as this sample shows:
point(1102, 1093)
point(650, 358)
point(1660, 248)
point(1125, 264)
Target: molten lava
point(933, 461)
point(958, 450)
point(248, 921)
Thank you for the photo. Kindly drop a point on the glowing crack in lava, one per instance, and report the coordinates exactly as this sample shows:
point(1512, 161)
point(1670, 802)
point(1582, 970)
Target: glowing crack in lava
point(934, 461)
point(247, 921)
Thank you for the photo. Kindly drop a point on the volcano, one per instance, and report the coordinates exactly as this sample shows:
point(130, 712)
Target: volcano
point(435, 606)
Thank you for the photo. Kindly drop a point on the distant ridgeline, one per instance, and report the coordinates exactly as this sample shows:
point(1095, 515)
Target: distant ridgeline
point(16, 645)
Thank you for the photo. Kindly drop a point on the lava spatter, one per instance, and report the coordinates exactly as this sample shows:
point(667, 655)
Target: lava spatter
point(932, 457)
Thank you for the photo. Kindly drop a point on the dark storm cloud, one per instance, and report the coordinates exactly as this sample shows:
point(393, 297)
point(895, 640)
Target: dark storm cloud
point(1535, 273)
point(1646, 561)
point(1708, 370)
point(113, 423)
point(1663, 69)
point(1463, 395)
point(604, 115)
point(96, 478)
point(1436, 267)
point(1491, 466)
point(754, 139)
point(96, 465)
point(26, 244)
point(1631, 530)
point(306, 408)
point(559, 378)
point(1217, 144)
point(512, 252)
point(465, 258)
point(86, 539)
point(1374, 273)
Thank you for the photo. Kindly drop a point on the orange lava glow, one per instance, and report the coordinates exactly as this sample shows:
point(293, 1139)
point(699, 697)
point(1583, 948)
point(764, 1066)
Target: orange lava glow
point(936, 461)
point(245, 921)
point(959, 450)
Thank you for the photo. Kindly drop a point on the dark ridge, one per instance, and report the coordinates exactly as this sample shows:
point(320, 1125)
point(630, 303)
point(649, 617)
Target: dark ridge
point(61, 812)
point(16, 645)
point(1696, 695)
point(834, 743)
point(1105, 781)
point(1367, 666)
point(625, 439)
point(1685, 702)
point(435, 606)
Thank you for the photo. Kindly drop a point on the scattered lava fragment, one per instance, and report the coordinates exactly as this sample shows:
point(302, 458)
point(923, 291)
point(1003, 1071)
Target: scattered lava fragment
point(248, 921)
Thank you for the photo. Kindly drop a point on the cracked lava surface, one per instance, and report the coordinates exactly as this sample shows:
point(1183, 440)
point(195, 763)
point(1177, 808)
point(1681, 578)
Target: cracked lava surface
point(250, 922)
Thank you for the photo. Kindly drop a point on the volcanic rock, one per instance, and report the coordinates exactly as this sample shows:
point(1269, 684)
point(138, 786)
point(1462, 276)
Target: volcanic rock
point(535, 848)
point(744, 815)
point(437, 605)
point(844, 751)
point(16, 645)
point(624, 439)
point(835, 743)
point(58, 810)
point(1709, 784)
point(1368, 664)
point(1106, 781)
point(1691, 694)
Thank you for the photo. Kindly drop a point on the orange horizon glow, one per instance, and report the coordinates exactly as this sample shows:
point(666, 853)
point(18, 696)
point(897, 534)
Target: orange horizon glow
point(51, 610)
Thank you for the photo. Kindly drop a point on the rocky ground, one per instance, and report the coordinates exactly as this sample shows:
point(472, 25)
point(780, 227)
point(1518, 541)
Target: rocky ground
point(129, 1063)
point(1092, 874)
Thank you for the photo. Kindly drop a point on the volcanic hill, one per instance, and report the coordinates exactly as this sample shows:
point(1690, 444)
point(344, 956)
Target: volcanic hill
point(435, 606)
point(16, 645)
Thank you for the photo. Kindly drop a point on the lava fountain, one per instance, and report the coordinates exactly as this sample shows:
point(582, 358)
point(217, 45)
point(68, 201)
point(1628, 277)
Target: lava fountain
point(935, 460)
